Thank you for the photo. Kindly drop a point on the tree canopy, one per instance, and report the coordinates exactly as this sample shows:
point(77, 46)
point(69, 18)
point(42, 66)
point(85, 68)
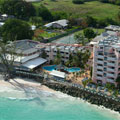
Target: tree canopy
point(79, 38)
point(89, 33)
point(78, 1)
point(43, 12)
point(15, 29)
point(19, 8)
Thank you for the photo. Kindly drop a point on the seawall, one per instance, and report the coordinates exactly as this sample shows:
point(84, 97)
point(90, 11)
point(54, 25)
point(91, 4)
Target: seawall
point(92, 98)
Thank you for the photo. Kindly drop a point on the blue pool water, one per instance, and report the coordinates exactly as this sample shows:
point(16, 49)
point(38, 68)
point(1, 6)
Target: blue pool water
point(49, 106)
point(52, 67)
point(73, 69)
point(49, 68)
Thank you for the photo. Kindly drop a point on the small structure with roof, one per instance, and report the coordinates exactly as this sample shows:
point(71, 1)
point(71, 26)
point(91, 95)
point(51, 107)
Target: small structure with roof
point(58, 75)
point(58, 24)
point(114, 28)
point(27, 54)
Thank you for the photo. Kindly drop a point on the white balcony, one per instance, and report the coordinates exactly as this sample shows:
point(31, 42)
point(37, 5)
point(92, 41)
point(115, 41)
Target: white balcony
point(100, 62)
point(99, 67)
point(54, 53)
point(111, 58)
point(100, 56)
point(110, 80)
point(110, 75)
point(99, 78)
point(111, 64)
point(110, 70)
point(99, 72)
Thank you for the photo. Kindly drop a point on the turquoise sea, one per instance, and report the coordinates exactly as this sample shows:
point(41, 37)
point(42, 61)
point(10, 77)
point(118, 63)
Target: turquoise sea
point(41, 105)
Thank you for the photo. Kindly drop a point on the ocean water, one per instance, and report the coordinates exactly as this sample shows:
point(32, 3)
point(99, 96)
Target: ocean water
point(42, 105)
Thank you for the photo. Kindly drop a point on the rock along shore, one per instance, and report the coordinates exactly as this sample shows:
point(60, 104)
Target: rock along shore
point(88, 96)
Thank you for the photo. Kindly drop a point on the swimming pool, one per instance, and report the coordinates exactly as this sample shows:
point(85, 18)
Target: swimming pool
point(73, 69)
point(49, 68)
point(52, 67)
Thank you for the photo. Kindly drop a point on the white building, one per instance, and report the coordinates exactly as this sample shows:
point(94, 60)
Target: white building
point(27, 54)
point(106, 59)
point(58, 24)
point(113, 28)
point(65, 51)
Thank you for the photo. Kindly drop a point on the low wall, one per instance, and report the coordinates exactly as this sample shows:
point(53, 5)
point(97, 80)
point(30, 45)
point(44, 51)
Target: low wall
point(63, 35)
point(92, 98)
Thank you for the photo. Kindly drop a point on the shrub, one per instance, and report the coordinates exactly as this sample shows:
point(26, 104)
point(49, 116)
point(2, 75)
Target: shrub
point(78, 1)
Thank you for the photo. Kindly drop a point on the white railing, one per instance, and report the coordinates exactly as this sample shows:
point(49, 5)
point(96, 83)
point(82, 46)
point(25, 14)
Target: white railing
point(100, 62)
point(110, 70)
point(100, 56)
point(110, 75)
point(111, 64)
point(111, 58)
point(100, 73)
point(110, 80)
point(99, 67)
point(99, 78)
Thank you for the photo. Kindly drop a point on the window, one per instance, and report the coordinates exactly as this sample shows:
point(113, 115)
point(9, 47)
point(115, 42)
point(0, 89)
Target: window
point(99, 75)
point(105, 69)
point(105, 63)
point(105, 58)
point(101, 47)
point(100, 59)
point(99, 64)
point(99, 70)
point(105, 53)
point(104, 74)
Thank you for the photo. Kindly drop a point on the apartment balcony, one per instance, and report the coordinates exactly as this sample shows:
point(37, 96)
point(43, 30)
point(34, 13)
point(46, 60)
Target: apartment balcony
point(110, 80)
point(54, 53)
point(100, 56)
point(112, 59)
point(100, 62)
point(67, 55)
point(111, 64)
point(100, 78)
point(110, 70)
point(100, 67)
point(110, 75)
point(99, 72)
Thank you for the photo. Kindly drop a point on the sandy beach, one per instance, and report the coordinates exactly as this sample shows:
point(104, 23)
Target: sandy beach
point(24, 86)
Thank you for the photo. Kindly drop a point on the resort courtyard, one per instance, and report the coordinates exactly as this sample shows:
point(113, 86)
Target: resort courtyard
point(71, 74)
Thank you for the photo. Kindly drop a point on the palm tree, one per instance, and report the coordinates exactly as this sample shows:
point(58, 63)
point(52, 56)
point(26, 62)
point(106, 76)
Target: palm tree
point(58, 58)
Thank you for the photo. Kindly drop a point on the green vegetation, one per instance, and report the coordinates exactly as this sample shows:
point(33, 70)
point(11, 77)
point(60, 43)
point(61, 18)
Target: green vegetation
point(117, 2)
point(78, 1)
point(48, 35)
point(58, 57)
point(80, 39)
point(89, 33)
point(19, 8)
point(95, 9)
point(15, 29)
point(78, 60)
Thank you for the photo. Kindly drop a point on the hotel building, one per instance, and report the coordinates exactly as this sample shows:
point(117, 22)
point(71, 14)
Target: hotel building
point(106, 59)
point(65, 51)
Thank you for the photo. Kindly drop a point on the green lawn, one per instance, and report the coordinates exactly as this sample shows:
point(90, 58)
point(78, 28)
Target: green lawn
point(48, 35)
point(94, 8)
point(98, 31)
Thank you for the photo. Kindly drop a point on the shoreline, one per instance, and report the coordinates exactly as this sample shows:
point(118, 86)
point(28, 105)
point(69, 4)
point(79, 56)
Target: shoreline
point(86, 96)
point(21, 84)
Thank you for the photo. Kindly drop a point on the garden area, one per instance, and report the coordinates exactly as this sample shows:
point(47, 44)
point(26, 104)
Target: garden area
point(93, 8)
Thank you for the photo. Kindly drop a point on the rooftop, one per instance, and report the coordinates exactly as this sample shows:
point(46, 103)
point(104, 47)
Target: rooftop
point(60, 22)
point(113, 28)
point(26, 46)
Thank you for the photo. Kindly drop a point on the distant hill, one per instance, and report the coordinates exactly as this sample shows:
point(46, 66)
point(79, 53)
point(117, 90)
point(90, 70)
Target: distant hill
point(95, 9)
point(33, 0)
